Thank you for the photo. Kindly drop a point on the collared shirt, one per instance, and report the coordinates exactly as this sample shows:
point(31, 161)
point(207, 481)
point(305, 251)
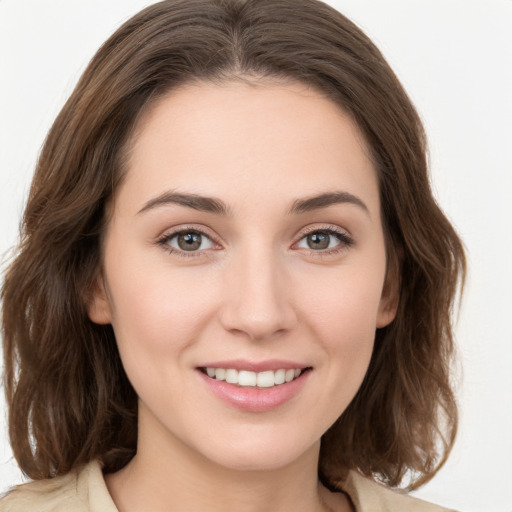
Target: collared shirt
point(85, 491)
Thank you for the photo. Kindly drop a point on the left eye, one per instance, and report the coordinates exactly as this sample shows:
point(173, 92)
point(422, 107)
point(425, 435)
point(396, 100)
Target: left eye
point(320, 240)
point(189, 241)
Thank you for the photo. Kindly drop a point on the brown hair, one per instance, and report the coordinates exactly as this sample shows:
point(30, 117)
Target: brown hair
point(69, 398)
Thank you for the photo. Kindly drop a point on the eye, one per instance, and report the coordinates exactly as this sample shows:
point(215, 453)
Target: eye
point(324, 240)
point(187, 240)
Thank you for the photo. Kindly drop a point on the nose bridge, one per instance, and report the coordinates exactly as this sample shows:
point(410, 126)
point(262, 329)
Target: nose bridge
point(256, 299)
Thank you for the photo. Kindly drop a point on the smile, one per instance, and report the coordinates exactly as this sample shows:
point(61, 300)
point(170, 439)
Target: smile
point(247, 378)
point(255, 387)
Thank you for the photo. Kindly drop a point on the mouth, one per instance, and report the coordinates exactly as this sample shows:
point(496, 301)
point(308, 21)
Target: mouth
point(255, 386)
point(252, 379)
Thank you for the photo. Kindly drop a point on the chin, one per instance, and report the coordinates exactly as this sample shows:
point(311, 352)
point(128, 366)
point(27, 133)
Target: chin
point(259, 455)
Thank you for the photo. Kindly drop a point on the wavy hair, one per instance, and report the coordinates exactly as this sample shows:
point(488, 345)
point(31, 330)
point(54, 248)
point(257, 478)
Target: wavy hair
point(69, 398)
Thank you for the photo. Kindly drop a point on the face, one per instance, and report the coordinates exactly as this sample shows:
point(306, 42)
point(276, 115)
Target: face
point(244, 271)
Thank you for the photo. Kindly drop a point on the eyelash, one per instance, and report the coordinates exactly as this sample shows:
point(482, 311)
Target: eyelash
point(164, 240)
point(345, 240)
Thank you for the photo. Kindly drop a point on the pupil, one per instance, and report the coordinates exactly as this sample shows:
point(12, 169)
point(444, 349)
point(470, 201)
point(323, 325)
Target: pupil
point(318, 241)
point(189, 241)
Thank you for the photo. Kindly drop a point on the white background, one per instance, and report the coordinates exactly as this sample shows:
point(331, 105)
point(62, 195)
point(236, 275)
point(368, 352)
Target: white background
point(455, 59)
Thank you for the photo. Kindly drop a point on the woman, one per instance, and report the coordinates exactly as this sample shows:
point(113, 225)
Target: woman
point(227, 293)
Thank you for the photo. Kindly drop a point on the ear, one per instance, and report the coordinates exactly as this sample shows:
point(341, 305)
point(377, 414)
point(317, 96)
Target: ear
point(98, 305)
point(388, 305)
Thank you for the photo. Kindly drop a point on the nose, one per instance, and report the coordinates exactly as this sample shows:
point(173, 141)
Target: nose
point(257, 300)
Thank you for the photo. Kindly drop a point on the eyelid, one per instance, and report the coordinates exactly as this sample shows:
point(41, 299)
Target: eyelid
point(322, 227)
point(169, 234)
point(345, 238)
point(332, 228)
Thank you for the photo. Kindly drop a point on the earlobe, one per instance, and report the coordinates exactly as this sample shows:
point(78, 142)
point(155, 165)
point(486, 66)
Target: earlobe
point(387, 313)
point(390, 296)
point(98, 305)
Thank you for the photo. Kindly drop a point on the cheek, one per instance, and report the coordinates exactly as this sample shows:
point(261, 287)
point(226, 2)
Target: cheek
point(346, 303)
point(343, 320)
point(157, 313)
point(348, 334)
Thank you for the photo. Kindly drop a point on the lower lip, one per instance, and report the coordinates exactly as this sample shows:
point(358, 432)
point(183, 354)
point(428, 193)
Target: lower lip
point(254, 399)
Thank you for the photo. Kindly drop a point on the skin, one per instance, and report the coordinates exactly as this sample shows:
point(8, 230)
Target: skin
point(253, 290)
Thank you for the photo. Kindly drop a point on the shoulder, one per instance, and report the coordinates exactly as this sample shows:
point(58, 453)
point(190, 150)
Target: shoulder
point(368, 496)
point(55, 494)
point(82, 490)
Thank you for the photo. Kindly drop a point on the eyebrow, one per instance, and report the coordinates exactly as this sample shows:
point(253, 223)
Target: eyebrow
point(324, 200)
point(195, 201)
point(214, 205)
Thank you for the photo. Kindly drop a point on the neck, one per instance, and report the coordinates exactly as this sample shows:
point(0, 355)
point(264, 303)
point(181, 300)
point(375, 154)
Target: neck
point(168, 475)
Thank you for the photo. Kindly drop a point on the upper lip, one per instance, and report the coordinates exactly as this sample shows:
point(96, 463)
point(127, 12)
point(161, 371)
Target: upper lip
point(256, 366)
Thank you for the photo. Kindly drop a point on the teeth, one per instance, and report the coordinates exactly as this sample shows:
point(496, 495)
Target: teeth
point(220, 373)
point(265, 379)
point(246, 378)
point(232, 376)
point(279, 377)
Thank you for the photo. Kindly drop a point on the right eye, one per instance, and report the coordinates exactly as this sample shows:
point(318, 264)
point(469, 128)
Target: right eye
point(187, 241)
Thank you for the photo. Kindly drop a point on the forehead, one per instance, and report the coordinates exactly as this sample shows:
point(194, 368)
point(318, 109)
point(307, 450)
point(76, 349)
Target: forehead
point(236, 139)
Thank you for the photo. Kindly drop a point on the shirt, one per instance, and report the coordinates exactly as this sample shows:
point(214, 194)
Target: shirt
point(85, 490)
